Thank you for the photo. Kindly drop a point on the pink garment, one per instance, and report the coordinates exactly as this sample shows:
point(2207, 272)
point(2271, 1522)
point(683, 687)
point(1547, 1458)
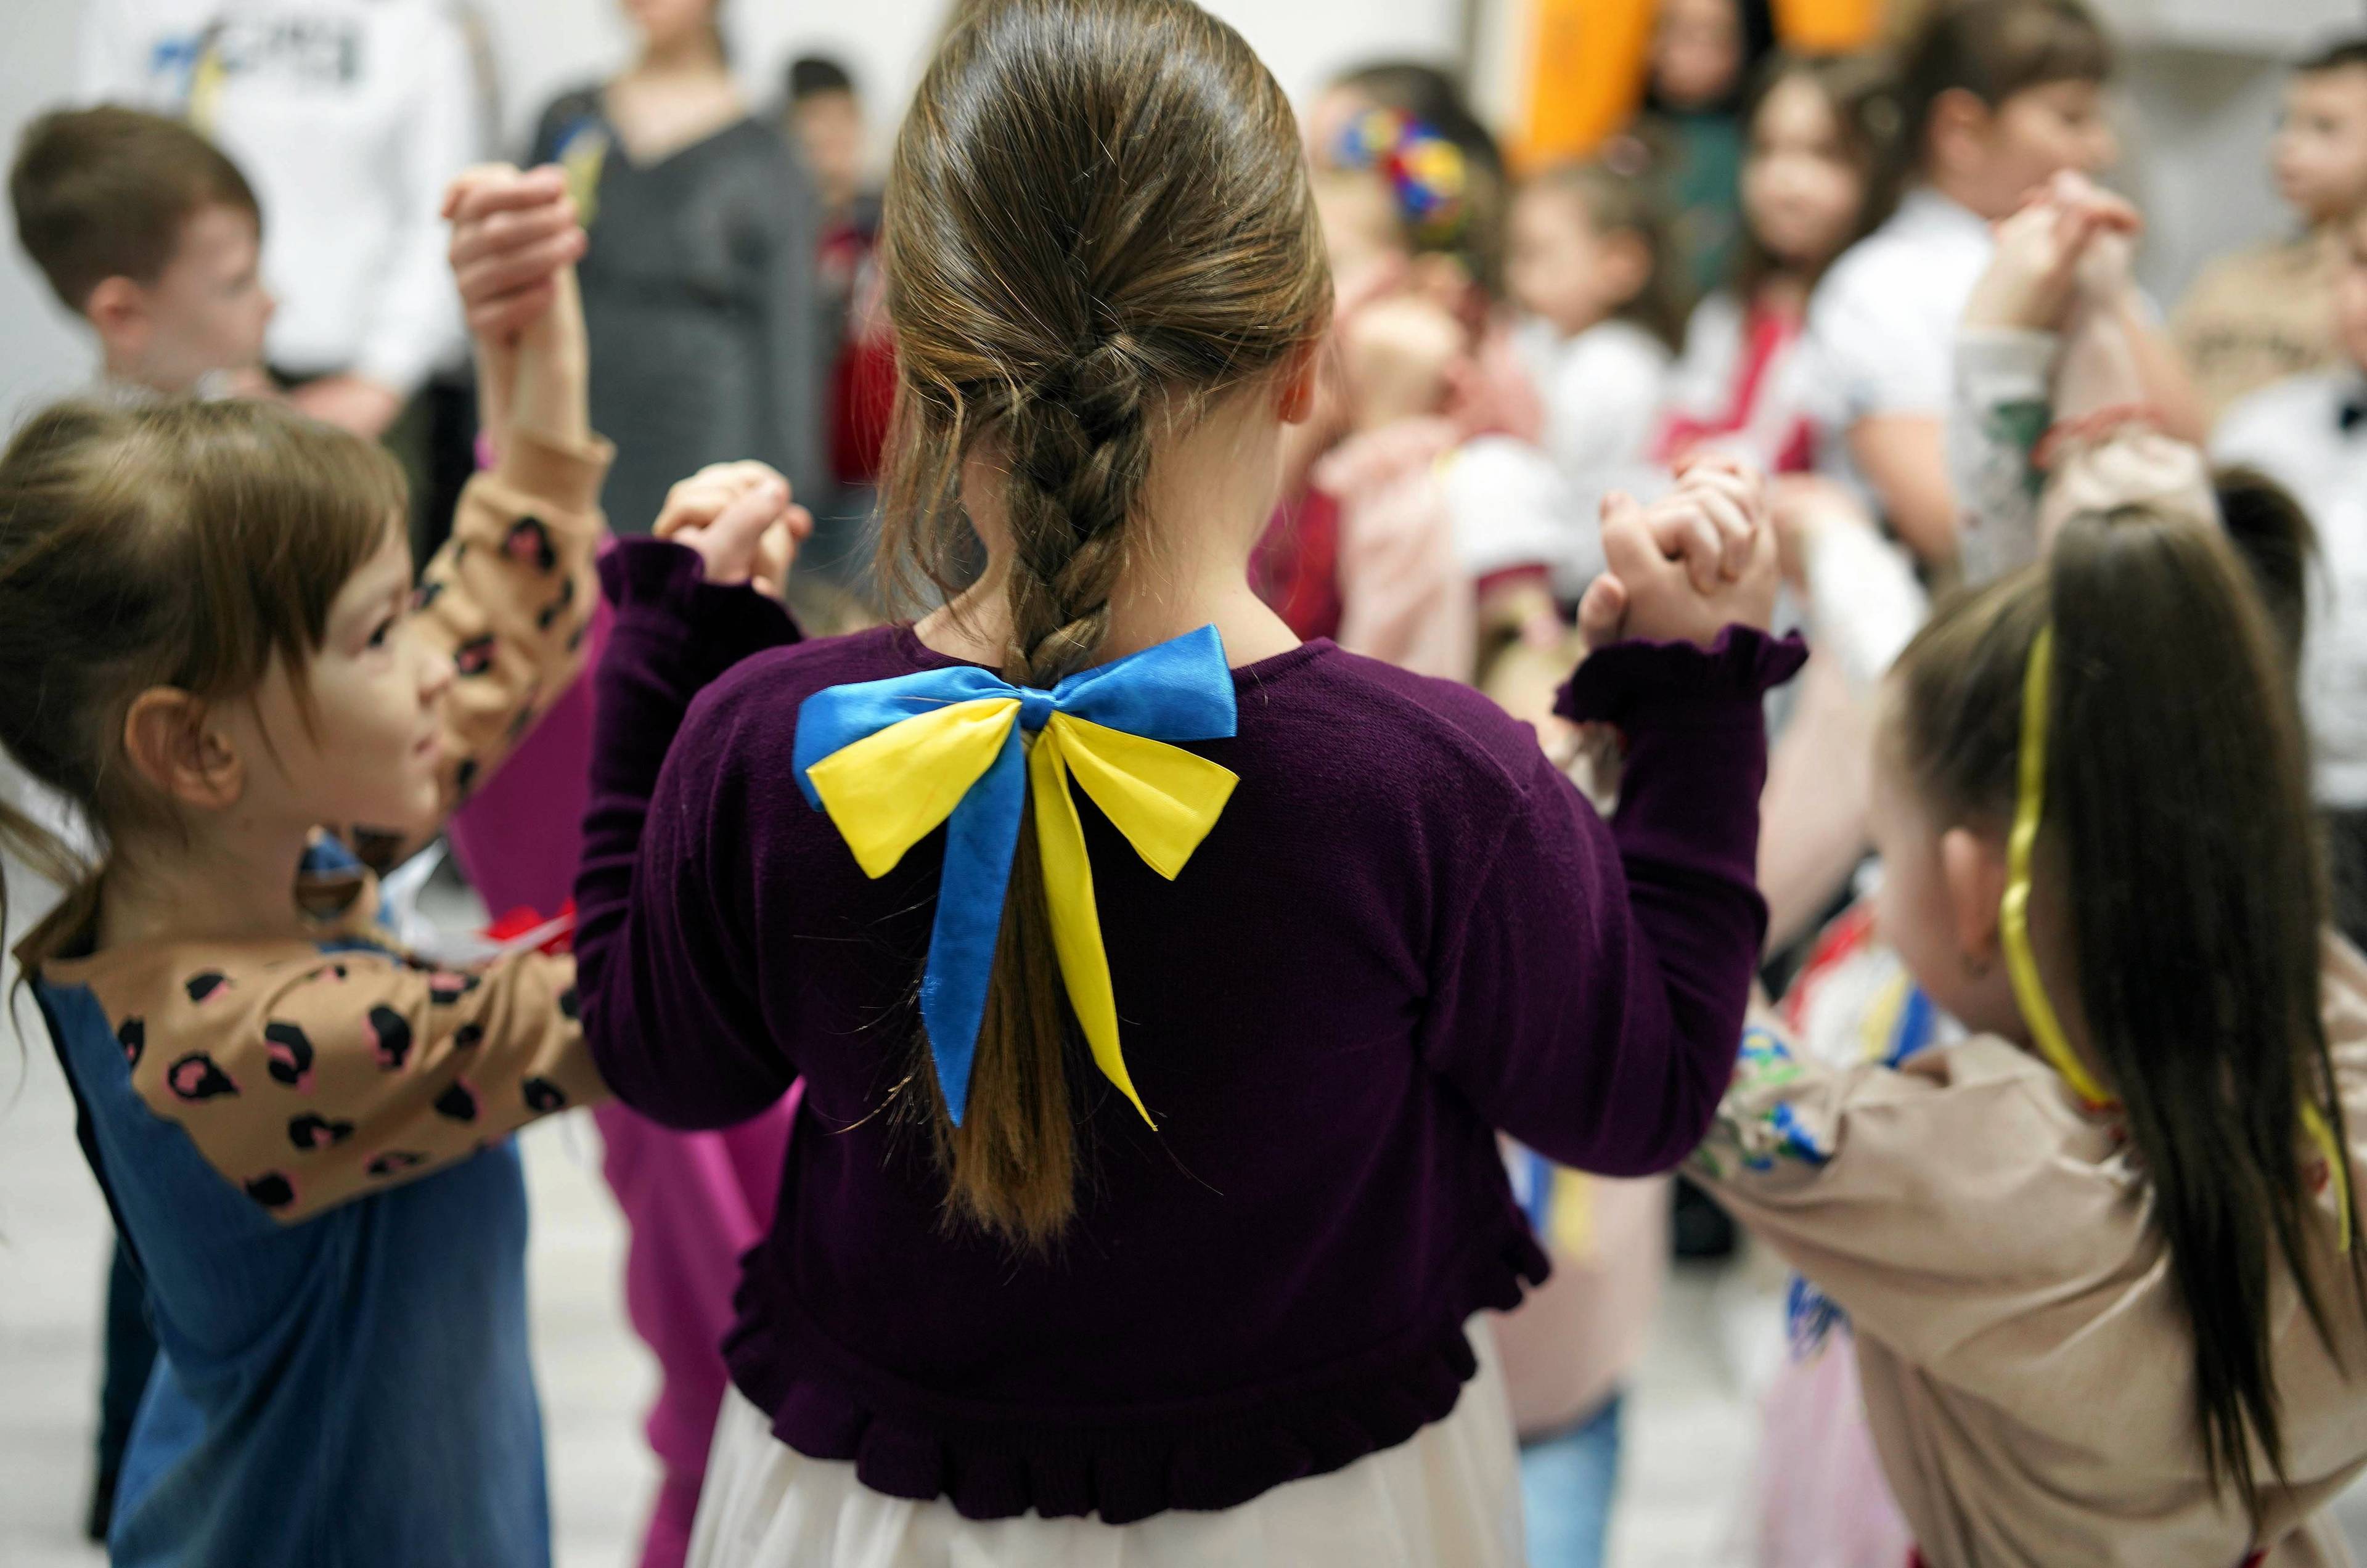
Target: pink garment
point(1572, 1343)
point(693, 1202)
point(1821, 1500)
point(1404, 597)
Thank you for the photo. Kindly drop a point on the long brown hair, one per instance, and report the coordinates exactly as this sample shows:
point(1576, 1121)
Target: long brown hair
point(1097, 220)
point(1862, 97)
point(2178, 812)
point(183, 544)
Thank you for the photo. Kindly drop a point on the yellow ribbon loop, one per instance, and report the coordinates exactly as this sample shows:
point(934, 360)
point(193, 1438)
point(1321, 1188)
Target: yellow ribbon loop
point(890, 790)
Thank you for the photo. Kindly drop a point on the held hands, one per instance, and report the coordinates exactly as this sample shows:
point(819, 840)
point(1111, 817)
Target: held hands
point(741, 521)
point(514, 243)
point(1699, 559)
point(2070, 242)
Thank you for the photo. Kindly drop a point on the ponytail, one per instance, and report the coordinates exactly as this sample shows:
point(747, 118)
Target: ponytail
point(1097, 221)
point(2179, 832)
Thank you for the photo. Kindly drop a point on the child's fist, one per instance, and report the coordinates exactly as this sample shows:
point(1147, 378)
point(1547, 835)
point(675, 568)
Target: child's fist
point(512, 232)
point(740, 519)
point(1654, 589)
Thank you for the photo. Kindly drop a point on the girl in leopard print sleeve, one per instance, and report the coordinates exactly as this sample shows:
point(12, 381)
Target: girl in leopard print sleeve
point(215, 649)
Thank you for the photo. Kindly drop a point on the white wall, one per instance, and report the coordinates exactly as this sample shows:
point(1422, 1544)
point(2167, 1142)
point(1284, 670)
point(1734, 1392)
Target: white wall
point(43, 352)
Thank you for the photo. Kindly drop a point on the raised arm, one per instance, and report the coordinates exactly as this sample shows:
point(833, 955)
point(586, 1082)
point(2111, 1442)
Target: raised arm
point(510, 595)
point(667, 973)
point(1593, 989)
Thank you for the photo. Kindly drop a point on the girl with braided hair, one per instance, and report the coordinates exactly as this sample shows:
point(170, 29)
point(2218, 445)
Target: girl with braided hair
point(1159, 982)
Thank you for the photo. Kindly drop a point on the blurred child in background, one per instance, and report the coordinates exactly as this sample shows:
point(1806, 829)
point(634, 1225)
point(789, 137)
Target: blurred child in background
point(2268, 312)
point(151, 234)
point(2001, 95)
point(1705, 56)
point(2307, 433)
point(1818, 176)
point(1595, 276)
point(824, 115)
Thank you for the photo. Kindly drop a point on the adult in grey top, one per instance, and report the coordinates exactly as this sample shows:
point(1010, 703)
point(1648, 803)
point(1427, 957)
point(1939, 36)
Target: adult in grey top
point(708, 343)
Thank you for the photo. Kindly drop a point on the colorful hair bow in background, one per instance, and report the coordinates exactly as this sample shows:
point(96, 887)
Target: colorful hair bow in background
point(1426, 173)
point(891, 759)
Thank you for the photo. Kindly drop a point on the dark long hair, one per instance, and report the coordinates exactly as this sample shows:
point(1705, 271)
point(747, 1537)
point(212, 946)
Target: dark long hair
point(1097, 220)
point(1863, 98)
point(2178, 817)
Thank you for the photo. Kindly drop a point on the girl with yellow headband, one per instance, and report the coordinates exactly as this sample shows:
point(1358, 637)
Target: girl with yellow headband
point(2102, 1258)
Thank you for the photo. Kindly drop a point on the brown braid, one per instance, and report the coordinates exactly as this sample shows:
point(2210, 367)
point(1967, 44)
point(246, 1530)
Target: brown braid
point(1097, 222)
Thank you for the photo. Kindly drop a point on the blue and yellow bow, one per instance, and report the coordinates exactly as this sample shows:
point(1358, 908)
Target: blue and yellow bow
point(890, 759)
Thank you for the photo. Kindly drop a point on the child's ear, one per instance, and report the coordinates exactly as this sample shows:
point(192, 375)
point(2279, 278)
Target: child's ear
point(174, 748)
point(1959, 131)
point(117, 309)
point(1973, 867)
point(1624, 259)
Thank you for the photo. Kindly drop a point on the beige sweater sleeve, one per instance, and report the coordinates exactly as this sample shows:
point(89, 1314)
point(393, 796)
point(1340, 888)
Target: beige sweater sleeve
point(1938, 1203)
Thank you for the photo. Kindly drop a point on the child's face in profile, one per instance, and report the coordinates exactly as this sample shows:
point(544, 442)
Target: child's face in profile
point(2320, 151)
point(372, 752)
point(1362, 232)
point(1925, 903)
point(208, 309)
point(1696, 52)
point(1561, 268)
point(2035, 135)
point(1801, 192)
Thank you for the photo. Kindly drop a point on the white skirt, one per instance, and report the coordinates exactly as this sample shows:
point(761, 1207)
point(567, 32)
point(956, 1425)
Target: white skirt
point(1447, 1497)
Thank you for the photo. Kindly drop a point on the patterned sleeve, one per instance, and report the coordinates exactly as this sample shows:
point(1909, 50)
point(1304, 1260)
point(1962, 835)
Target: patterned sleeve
point(2002, 405)
point(510, 597)
point(308, 1078)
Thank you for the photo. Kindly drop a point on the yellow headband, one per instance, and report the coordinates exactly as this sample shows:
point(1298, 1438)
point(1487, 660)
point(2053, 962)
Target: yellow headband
point(2013, 920)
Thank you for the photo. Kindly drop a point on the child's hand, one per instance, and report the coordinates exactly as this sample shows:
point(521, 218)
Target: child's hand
point(1655, 588)
point(512, 232)
point(740, 519)
point(514, 240)
point(2035, 276)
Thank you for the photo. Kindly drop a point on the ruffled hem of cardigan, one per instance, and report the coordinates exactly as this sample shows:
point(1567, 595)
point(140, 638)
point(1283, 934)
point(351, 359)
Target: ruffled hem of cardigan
point(1121, 1466)
point(730, 622)
point(1634, 680)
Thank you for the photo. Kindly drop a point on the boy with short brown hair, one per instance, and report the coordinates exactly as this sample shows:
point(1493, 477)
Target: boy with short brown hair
point(146, 230)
